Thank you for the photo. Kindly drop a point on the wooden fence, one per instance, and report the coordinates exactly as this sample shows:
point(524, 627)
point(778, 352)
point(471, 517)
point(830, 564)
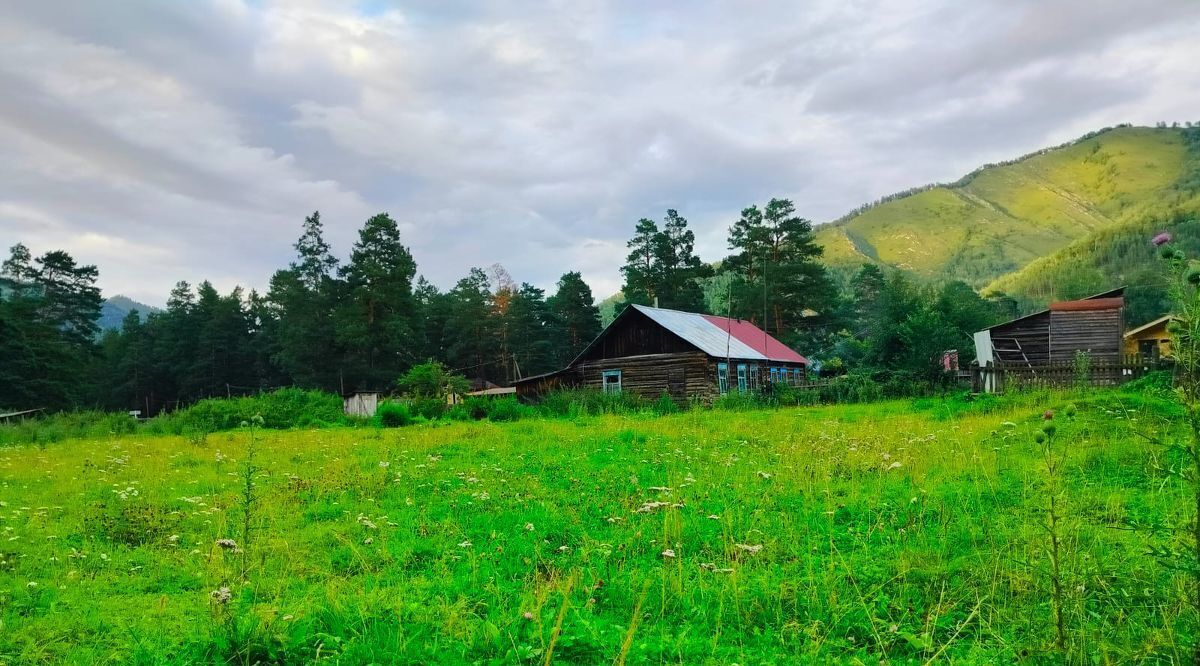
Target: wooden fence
point(996, 378)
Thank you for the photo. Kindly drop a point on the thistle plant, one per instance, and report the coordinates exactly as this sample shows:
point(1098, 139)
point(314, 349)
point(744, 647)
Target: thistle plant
point(1054, 456)
point(248, 496)
point(1184, 290)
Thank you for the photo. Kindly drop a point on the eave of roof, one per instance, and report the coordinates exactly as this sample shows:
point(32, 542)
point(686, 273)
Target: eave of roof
point(1151, 324)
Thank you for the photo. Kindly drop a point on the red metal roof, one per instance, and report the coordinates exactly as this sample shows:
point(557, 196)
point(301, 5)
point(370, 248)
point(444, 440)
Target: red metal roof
point(1088, 304)
point(757, 339)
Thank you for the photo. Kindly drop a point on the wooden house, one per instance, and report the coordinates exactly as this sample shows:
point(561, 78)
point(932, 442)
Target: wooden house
point(1150, 341)
point(1053, 336)
point(652, 351)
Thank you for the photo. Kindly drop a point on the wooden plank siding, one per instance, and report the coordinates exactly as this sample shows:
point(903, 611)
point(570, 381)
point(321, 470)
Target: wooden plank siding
point(636, 335)
point(1031, 333)
point(1097, 332)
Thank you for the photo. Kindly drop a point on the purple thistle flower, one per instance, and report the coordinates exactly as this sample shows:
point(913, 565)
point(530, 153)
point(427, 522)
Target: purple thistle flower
point(1161, 239)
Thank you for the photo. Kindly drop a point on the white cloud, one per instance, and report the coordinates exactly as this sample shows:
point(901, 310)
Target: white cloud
point(168, 141)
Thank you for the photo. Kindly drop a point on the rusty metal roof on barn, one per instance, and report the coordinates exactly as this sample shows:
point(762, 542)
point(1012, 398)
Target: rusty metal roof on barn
point(720, 337)
point(1087, 305)
point(1113, 294)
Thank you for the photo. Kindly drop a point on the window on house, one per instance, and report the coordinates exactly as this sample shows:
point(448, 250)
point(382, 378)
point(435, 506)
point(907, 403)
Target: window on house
point(774, 375)
point(722, 378)
point(611, 381)
point(754, 377)
point(742, 376)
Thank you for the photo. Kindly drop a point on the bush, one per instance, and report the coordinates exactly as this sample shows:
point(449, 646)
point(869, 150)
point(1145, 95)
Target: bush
point(1156, 382)
point(430, 408)
point(665, 405)
point(590, 402)
point(285, 408)
point(740, 400)
point(506, 409)
point(393, 415)
point(67, 425)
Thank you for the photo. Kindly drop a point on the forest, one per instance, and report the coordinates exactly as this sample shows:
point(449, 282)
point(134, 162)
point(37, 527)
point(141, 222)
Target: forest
point(359, 323)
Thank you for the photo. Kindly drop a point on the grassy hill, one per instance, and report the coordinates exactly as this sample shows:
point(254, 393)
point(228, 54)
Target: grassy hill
point(1001, 218)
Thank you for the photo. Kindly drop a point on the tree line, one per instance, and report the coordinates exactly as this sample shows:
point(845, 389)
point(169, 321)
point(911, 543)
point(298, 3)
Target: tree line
point(322, 323)
point(359, 324)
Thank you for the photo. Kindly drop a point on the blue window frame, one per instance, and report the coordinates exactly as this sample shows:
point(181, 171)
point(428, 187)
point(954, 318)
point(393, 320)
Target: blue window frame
point(742, 376)
point(722, 378)
point(611, 381)
point(754, 377)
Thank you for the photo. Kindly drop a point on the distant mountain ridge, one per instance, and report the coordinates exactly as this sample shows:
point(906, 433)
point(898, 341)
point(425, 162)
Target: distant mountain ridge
point(998, 220)
point(114, 310)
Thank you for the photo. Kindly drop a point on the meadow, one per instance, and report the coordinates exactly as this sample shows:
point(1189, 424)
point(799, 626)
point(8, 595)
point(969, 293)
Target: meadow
point(907, 531)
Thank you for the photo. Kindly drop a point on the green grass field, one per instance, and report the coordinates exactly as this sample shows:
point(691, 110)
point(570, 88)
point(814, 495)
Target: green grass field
point(904, 531)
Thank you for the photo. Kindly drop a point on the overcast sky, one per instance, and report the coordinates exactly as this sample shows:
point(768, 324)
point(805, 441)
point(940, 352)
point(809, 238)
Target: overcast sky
point(168, 141)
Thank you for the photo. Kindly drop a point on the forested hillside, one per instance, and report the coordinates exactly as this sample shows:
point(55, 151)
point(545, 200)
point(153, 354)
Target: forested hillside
point(1001, 218)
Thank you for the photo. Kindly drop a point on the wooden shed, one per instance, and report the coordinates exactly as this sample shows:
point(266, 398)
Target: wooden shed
point(652, 351)
point(1152, 340)
point(1094, 325)
point(363, 403)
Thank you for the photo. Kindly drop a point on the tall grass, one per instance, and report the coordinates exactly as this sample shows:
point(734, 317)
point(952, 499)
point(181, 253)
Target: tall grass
point(891, 531)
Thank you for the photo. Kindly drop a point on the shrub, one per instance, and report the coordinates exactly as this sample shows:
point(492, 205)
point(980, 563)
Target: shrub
point(431, 408)
point(665, 405)
point(65, 425)
point(506, 409)
point(739, 400)
point(1157, 382)
point(590, 402)
point(285, 408)
point(393, 415)
point(432, 380)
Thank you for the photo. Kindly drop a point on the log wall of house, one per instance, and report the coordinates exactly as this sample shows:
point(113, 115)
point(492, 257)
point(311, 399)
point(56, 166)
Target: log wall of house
point(1096, 331)
point(683, 375)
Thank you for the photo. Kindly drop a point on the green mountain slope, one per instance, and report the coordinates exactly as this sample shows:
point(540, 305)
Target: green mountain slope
point(1001, 218)
point(113, 311)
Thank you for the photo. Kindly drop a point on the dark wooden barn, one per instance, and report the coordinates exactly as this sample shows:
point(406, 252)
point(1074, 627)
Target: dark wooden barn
point(652, 351)
point(1094, 325)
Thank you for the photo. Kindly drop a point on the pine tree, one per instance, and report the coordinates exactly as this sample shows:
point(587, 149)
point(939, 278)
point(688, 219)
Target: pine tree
point(780, 279)
point(300, 319)
point(529, 326)
point(641, 269)
point(662, 266)
point(375, 322)
point(575, 319)
point(470, 331)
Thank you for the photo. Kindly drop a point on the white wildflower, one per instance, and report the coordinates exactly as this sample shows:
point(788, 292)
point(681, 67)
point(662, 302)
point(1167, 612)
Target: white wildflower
point(669, 554)
point(221, 595)
point(651, 507)
point(464, 544)
point(752, 549)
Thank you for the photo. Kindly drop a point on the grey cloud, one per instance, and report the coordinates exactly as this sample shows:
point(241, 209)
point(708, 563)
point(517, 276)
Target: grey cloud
point(194, 137)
